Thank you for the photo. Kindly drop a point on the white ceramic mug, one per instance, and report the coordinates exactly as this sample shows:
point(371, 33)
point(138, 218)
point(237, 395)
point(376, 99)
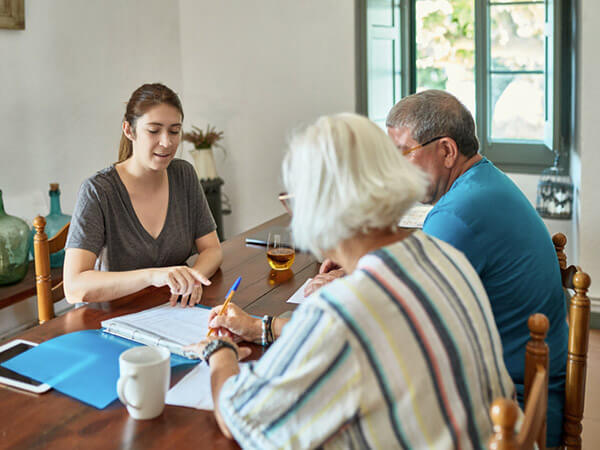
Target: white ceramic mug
point(145, 376)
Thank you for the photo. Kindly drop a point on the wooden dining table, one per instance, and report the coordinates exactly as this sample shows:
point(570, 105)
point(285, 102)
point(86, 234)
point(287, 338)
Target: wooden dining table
point(56, 421)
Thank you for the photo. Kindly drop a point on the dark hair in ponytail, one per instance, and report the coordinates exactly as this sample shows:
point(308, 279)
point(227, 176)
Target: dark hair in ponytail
point(142, 99)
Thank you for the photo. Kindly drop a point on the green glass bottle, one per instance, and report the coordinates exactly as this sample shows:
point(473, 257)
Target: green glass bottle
point(14, 247)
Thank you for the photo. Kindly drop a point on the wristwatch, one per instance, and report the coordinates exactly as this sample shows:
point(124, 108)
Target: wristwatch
point(267, 337)
point(216, 345)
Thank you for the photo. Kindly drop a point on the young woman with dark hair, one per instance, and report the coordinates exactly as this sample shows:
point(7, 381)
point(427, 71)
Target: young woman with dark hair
point(136, 222)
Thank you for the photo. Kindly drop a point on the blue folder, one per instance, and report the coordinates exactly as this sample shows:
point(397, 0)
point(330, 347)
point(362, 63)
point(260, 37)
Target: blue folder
point(83, 365)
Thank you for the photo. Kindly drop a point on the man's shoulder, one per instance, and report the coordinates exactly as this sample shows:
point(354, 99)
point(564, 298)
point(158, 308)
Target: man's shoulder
point(482, 188)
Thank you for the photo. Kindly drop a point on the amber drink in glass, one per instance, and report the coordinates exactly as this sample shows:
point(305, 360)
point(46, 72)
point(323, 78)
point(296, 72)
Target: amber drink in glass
point(280, 250)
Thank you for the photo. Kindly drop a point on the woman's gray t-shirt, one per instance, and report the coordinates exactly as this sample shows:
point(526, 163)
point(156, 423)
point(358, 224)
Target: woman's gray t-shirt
point(104, 221)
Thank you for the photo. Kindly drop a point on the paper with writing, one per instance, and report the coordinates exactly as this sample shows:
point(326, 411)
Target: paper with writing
point(172, 327)
point(415, 216)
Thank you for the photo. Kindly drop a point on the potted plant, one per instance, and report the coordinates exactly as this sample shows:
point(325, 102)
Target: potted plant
point(204, 141)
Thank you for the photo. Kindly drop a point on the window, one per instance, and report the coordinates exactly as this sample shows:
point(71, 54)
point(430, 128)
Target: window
point(497, 56)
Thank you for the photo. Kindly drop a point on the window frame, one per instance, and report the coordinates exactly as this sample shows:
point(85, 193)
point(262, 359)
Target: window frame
point(509, 155)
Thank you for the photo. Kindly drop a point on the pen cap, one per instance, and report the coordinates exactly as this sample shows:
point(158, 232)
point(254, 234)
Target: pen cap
point(234, 287)
point(236, 284)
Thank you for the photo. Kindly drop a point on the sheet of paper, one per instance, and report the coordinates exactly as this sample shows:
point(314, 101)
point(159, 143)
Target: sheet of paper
point(182, 325)
point(193, 391)
point(415, 216)
point(298, 296)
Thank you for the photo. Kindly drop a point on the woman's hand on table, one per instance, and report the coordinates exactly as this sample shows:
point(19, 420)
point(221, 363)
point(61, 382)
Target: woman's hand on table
point(183, 281)
point(235, 324)
point(195, 298)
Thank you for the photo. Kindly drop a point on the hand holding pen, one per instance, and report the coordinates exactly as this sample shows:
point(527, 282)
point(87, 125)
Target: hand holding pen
point(236, 324)
point(223, 308)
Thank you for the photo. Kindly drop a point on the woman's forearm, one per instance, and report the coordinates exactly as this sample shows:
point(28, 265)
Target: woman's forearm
point(97, 286)
point(208, 261)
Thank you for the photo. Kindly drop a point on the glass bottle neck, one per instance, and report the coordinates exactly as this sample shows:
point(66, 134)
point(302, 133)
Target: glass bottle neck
point(55, 202)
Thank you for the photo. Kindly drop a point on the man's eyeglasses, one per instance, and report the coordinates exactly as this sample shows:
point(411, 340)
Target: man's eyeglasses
point(417, 147)
point(285, 200)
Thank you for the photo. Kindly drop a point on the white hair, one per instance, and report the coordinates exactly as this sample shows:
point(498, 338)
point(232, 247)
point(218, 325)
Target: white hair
point(346, 177)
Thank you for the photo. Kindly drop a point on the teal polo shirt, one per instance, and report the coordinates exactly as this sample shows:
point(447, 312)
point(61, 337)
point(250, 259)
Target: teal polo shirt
point(487, 217)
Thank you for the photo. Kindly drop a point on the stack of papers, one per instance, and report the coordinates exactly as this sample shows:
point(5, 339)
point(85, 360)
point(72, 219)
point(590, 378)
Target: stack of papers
point(167, 326)
point(415, 216)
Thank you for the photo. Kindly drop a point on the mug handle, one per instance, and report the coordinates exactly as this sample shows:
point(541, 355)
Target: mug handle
point(121, 382)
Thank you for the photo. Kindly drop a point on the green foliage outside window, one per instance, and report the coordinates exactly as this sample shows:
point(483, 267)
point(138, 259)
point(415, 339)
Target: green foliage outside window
point(498, 57)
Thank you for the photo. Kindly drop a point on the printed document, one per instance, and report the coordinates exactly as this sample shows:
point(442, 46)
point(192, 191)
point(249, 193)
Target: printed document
point(168, 326)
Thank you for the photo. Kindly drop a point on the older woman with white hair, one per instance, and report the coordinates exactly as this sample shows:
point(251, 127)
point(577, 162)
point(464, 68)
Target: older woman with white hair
point(402, 352)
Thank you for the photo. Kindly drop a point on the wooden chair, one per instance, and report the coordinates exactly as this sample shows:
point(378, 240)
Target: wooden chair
point(574, 279)
point(47, 294)
point(505, 412)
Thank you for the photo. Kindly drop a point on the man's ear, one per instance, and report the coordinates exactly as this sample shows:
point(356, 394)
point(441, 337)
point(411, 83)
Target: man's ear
point(128, 131)
point(451, 152)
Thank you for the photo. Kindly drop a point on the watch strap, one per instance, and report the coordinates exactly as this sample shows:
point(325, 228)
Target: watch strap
point(216, 345)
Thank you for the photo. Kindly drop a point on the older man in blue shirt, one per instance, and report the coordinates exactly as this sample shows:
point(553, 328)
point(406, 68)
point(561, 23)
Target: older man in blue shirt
point(481, 212)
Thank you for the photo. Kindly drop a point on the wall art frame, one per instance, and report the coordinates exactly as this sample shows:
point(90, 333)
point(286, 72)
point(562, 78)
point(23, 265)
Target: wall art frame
point(12, 14)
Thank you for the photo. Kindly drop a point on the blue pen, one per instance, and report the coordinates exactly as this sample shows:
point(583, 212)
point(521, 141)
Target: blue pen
point(228, 298)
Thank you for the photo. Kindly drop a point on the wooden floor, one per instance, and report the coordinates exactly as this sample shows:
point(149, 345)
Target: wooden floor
point(591, 416)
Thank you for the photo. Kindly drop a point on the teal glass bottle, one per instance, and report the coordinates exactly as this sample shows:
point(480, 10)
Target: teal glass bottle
point(14, 247)
point(54, 222)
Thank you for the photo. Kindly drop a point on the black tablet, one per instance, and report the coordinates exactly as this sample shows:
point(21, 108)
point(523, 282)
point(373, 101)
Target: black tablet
point(10, 378)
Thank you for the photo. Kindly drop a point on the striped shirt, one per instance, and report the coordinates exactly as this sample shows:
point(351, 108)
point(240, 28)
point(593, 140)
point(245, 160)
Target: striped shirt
point(402, 353)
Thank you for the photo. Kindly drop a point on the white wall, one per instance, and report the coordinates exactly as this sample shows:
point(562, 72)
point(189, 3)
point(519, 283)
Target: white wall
point(64, 81)
point(256, 70)
point(588, 158)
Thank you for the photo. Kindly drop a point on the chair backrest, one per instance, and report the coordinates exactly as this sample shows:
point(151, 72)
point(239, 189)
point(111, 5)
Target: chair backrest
point(574, 279)
point(47, 294)
point(505, 412)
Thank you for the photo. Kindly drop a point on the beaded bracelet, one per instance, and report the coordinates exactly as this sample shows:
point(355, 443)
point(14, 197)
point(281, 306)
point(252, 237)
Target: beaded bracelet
point(270, 336)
